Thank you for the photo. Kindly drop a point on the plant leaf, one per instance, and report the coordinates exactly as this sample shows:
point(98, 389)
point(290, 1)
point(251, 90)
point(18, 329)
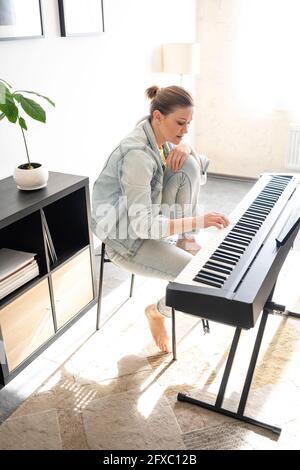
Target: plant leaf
point(2, 93)
point(6, 83)
point(2, 115)
point(22, 123)
point(32, 108)
point(8, 106)
point(37, 94)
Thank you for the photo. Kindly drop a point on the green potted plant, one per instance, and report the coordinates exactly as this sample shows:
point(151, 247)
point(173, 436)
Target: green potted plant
point(29, 175)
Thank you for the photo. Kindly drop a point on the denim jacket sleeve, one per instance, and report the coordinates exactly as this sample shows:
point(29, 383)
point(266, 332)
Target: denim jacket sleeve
point(136, 179)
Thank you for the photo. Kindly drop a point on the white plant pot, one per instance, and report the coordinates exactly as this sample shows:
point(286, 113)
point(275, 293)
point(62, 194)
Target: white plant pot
point(34, 178)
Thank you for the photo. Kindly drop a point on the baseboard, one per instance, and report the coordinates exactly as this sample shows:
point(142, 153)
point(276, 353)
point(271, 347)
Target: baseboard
point(247, 179)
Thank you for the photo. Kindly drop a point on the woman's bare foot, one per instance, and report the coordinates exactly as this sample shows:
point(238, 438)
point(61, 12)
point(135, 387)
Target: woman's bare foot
point(188, 244)
point(157, 326)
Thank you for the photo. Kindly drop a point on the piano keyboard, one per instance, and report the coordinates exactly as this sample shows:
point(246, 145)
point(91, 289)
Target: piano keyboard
point(216, 262)
point(232, 276)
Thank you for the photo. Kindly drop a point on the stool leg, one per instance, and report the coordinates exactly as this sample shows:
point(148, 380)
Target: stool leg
point(174, 336)
point(205, 325)
point(101, 272)
point(131, 285)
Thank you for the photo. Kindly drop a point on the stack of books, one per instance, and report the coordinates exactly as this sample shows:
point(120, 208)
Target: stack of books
point(16, 268)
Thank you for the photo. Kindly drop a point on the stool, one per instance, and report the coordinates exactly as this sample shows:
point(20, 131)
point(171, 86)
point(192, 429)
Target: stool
point(103, 260)
point(101, 274)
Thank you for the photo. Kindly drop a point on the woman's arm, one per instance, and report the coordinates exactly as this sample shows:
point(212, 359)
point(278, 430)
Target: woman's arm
point(179, 154)
point(187, 224)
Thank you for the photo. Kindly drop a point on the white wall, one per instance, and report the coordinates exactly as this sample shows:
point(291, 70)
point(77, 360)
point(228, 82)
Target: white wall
point(242, 121)
point(97, 82)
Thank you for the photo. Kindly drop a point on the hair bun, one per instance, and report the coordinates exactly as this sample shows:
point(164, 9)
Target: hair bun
point(152, 91)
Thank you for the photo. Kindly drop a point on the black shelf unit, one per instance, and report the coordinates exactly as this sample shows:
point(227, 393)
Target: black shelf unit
point(34, 315)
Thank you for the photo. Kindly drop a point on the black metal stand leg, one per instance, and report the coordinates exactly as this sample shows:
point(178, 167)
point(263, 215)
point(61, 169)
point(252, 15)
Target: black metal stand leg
point(174, 335)
point(217, 407)
point(101, 272)
point(252, 363)
point(228, 367)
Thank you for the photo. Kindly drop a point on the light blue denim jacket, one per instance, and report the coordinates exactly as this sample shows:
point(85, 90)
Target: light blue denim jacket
point(126, 200)
point(127, 194)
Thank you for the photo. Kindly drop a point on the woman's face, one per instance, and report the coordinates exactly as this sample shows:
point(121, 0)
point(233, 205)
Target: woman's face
point(175, 125)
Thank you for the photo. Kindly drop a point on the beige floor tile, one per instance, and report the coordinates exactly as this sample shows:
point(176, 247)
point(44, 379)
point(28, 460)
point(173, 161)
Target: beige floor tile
point(31, 432)
point(108, 368)
point(109, 387)
point(132, 420)
point(71, 429)
point(36, 404)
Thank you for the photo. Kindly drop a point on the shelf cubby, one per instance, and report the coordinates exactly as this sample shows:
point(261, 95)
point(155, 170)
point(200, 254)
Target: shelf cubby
point(35, 314)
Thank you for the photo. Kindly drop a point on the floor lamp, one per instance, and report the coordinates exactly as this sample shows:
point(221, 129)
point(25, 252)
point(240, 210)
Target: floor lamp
point(181, 58)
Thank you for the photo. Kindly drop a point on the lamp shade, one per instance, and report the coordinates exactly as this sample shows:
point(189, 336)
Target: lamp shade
point(182, 58)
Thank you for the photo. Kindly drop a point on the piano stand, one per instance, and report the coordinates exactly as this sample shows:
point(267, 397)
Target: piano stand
point(269, 307)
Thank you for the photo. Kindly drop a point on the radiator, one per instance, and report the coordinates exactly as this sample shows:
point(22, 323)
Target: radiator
point(293, 152)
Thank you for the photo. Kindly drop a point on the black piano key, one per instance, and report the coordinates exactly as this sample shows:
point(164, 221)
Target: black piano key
point(284, 178)
point(210, 277)
point(226, 255)
point(234, 245)
point(229, 247)
point(215, 274)
point(239, 229)
point(219, 267)
point(227, 252)
point(222, 263)
point(252, 225)
point(258, 210)
point(263, 204)
point(239, 224)
point(247, 225)
point(268, 197)
point(257, 224)
point(207, 282)
point(255, 216)
point(277, 187)
point(271, 199)
point(251, 220)
point(237, 240)
point(255, 205)
point(262, 201)
point(273, 192)
point(247, 230)
point(241, 236)
point(223, 260)
point(239, 232)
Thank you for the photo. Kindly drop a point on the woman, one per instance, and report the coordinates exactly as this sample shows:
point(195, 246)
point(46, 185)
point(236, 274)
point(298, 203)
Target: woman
point(147, 191)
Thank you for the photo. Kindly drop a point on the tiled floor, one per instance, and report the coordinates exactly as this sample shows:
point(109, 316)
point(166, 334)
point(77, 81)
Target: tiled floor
point(113, 390)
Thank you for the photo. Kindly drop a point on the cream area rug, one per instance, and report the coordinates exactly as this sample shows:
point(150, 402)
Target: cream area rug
point(228, 436)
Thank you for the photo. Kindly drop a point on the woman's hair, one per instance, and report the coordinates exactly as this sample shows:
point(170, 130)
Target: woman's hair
point(167, 99)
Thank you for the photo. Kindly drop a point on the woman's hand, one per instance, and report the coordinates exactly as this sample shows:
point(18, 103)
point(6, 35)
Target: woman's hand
point(178, 156)
point(215, 219)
